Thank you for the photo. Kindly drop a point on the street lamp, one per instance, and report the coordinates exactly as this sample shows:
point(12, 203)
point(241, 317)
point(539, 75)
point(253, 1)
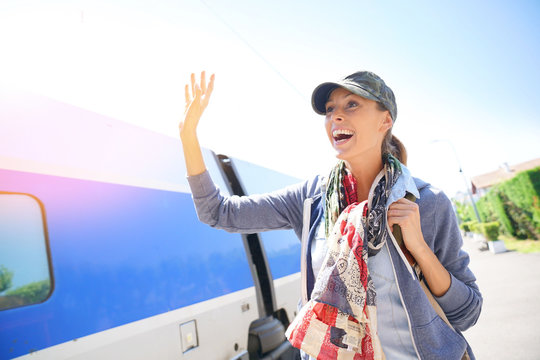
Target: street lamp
point(462, 173)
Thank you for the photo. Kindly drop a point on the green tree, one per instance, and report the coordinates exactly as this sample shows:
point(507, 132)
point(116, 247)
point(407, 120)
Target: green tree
point(33, 292)
point(6, 278)
point(465, 211)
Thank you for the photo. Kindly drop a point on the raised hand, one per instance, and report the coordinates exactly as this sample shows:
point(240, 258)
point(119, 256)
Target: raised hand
point(197, 98)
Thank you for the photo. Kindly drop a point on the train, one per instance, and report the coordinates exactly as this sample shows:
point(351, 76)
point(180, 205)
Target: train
point(102, 255)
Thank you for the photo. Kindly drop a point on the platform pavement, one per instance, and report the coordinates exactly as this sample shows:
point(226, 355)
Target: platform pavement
point(509, 326)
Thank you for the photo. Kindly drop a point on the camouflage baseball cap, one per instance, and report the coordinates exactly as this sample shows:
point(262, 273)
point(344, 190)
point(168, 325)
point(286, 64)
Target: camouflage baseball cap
point(363, 83)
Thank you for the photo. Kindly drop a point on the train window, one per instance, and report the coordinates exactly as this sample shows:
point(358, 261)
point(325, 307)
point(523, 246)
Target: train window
point(25, 276)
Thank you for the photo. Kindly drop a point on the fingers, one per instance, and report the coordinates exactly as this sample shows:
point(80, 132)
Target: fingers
point(403, 204)
point(188, 98)
point(403, 221)
point(210, 85)
point(208, 91)
point(398, 212)
point(205, 89)
point(403, 212)
point(399, 220)
point(199, 93)
point(395, 206)
point(203, 81)
point(193, 82)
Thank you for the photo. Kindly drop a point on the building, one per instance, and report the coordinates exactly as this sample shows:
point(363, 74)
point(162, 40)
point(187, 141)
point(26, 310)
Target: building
point(482, 183)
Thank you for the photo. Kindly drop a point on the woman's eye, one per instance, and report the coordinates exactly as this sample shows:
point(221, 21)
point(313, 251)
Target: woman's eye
point(352, 104)
point(329, 109)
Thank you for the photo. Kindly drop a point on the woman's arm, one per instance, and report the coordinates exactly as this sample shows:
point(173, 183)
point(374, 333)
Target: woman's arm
point(406, 214)
point(281, 209)
point(461, 301)
point(277, 210)
point(196, 102)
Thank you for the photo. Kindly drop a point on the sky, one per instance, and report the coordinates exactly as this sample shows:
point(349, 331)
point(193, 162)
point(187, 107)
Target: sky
point(465, 74)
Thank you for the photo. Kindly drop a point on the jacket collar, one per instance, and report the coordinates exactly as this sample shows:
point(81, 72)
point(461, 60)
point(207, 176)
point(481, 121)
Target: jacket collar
point(404, 184)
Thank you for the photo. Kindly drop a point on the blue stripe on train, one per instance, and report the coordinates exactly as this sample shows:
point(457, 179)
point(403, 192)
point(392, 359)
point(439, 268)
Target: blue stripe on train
point(123, 253)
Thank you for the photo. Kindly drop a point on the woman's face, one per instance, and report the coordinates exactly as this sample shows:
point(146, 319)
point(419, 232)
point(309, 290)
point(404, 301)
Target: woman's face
point(355, 126)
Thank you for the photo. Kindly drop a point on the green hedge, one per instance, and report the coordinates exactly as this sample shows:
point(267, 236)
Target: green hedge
point(468, 226)
point(491, 207)
point(515, 205)
point(490, 230)
point(523, 193)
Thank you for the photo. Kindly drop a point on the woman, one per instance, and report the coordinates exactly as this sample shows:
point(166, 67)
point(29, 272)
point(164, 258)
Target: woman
point(362, 297)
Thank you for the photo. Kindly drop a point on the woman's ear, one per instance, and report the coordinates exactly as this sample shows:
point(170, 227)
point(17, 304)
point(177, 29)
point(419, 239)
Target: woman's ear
point(387, 122)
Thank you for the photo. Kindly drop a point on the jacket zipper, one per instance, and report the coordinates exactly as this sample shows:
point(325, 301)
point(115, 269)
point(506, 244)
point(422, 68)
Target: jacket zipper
point(370, 198)
point(401, 254)
point(305, 236)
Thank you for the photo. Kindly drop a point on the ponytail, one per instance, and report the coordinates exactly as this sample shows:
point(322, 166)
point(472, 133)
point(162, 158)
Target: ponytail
point(391, 144)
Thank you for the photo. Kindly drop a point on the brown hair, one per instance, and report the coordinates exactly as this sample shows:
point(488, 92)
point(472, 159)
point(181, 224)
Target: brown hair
point(391, 144)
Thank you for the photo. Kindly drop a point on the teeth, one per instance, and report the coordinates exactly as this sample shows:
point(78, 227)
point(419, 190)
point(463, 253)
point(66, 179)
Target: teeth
point(342, 132)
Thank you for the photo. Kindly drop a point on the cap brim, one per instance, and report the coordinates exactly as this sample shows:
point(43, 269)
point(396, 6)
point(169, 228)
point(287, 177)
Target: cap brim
point(320, 95)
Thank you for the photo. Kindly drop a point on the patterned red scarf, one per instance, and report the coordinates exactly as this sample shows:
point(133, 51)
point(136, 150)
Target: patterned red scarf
point(340, 320)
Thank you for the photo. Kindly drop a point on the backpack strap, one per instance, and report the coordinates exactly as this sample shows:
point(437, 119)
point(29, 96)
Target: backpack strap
point(396, 231)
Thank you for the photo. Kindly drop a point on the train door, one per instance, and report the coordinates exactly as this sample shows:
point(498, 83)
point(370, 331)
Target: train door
point(266, 339)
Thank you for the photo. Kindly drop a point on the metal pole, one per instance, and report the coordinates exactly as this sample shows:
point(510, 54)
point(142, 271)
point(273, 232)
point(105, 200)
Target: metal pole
point(462, 174)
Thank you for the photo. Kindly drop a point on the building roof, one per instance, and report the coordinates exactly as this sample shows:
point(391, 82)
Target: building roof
point(503, 173)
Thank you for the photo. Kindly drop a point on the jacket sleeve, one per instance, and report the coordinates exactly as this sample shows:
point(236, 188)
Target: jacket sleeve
point(462, 302)
point(281, 209)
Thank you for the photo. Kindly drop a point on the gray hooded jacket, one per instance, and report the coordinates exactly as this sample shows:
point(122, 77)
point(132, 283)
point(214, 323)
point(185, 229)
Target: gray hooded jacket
point(300, 207)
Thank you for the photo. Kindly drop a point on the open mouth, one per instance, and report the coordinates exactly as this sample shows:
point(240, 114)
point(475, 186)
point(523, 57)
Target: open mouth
point(342, 135)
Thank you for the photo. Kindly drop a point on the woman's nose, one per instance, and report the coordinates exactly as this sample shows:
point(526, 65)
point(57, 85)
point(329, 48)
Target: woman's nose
point(337, 117)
